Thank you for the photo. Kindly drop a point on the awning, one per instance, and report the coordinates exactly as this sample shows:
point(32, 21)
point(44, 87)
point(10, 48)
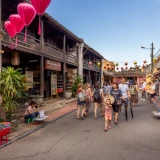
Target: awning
point(106, 73)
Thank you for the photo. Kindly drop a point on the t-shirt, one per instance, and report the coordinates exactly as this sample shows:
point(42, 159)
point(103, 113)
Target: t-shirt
point(29, 108)
point(117, 94)
point(124, 88)
point(144, 85)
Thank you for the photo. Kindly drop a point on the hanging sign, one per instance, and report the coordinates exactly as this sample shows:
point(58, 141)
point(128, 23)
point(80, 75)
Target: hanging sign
point(52, 65)
point(53, 84)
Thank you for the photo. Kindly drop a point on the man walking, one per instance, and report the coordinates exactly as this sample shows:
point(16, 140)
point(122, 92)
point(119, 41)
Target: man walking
point(125, 92)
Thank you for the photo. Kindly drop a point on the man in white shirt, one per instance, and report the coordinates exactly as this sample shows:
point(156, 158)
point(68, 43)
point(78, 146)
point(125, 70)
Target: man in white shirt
point(125, 92)
point(143, 90)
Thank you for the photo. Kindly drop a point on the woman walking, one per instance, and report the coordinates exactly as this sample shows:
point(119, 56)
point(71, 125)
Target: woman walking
point(88, 96)
point(134, 94)
point(117, 94)
point(97, 98)
point(80, 101)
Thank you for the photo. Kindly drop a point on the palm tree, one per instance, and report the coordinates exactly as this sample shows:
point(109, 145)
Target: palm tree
point(11, 87)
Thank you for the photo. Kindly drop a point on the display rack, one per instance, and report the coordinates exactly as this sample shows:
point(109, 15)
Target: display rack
point(60, 83)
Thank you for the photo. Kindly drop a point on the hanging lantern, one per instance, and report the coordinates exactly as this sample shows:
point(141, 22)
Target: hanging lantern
point(143, 66)
point(112, 68)
point(144, 61)
point(15, 60)
point(117, 64)
point(108, 68)
point(154, 60)
point(17, 23)
point(125, 63)
point(90, 64)
point(122, 68)
point(117, 68)
point(98, 63)
point(135, 62)
point(40, 7)
point(137, 67)
point(105, 67)
point(27, 13)
point(130, 68)
point(10, 29)
point(107, 64)
point(126, 68)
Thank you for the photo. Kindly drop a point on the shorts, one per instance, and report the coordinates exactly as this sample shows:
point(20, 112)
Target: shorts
point(125, 102)
point(109, 117)
point(152, 95)
point(81, 103)
point(115, 107)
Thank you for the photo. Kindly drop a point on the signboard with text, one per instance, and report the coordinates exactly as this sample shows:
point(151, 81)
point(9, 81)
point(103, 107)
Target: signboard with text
point(52, 65)
point(53, 84)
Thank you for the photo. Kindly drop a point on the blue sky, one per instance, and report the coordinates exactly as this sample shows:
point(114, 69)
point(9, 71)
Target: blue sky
point(115, 28)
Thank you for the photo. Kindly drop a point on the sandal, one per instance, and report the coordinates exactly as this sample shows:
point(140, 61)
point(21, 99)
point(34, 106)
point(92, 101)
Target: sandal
point(82, 118)
point(116, 123)
point(105, 130)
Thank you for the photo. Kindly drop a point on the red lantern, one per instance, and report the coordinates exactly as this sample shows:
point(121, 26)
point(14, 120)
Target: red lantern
point(107, 64)
point(130, 68)
point(112, 68)
point(40, 7)
point(122, 68)
point(137, 67)
point(126, 68)
point(126, 63)
point(117, 68)
point(17, 23)
point(10, 29)
point(90, 64)
point(108, 68)
point(144, 61)
point(104, 67)
point(27, 13)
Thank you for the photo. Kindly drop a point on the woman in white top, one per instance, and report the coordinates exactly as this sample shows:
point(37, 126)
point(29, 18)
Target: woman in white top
point(97, 98)
point(153, 86)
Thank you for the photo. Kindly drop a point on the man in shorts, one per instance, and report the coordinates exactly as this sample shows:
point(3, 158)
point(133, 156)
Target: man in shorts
point(125, 92)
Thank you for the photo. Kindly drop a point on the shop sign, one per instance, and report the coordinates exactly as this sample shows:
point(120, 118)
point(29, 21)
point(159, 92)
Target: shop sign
point(52, 65)
point(53, 84)
point(29, 83)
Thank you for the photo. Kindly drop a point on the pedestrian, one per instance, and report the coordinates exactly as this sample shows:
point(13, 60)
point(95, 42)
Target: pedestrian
point(108, 114)
point(157, 87)
point(88, 97)
point(109, 87)
point(134, 94)
point(148, 86)
point(81, 101)
point(117, 94)
point(153, 86)
point(31, 111)
point(97, 99)
point(144, 90)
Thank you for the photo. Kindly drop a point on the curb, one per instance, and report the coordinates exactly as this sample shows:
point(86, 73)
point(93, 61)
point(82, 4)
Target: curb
point(34, 130)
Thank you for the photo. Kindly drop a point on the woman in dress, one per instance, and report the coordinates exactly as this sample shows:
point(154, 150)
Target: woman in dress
point(117, 94)
point(134, 94)
point(80, 103)
point(97, 98)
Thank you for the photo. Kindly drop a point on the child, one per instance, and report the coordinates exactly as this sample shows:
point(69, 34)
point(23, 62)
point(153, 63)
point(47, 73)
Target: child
point(108, 114)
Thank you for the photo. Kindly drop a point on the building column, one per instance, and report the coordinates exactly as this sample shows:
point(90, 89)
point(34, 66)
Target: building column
point(42, 62)
point(64, 66)
point(80, 59)
point(101, 73)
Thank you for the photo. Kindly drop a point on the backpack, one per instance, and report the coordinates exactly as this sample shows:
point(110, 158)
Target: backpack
point(97, 95)
point(81, 97)
point(132, 90)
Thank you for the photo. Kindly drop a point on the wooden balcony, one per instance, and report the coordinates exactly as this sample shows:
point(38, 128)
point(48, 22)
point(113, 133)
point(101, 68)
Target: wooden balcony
point(53, 51)
point(94, 66)
point(30, 44)
point(71, 58)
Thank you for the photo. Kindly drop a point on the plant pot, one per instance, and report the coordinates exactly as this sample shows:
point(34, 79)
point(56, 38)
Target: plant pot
point(39, 101)
point(68, 94)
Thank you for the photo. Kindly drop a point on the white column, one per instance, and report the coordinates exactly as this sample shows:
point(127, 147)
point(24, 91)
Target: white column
point(80, 59)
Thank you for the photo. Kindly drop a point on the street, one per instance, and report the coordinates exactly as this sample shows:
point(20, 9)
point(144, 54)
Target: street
point(72, 139)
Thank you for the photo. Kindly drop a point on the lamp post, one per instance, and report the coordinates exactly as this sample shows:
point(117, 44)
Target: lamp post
point(151, 49)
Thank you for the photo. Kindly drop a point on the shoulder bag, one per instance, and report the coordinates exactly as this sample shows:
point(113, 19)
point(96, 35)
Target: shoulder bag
point(119, 102)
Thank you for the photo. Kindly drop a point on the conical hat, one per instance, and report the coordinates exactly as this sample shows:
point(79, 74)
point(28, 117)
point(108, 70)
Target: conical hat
point(109, 97)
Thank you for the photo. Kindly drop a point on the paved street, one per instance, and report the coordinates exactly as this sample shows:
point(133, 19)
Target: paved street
point(72, 139)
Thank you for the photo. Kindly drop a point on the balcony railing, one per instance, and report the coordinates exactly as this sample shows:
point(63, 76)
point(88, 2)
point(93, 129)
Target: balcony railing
point(31, 42)
point(94, 66)
point(53, 51)
point(71, 58)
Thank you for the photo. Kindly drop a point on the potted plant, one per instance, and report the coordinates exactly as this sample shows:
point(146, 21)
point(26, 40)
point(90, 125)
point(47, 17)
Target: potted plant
point(68, 94)
point(76, 81)
point(12, 86)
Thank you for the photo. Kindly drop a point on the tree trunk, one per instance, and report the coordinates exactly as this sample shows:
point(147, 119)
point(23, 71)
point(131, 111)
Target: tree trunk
point(2, 113)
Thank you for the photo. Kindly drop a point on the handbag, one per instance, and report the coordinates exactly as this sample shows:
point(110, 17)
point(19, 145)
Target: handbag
point(119, 102)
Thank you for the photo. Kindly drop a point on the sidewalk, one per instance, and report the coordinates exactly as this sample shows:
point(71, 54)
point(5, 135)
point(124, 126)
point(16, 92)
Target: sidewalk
point(24, 129)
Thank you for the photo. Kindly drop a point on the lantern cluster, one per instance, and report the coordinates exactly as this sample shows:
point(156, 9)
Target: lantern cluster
point(26, 14)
